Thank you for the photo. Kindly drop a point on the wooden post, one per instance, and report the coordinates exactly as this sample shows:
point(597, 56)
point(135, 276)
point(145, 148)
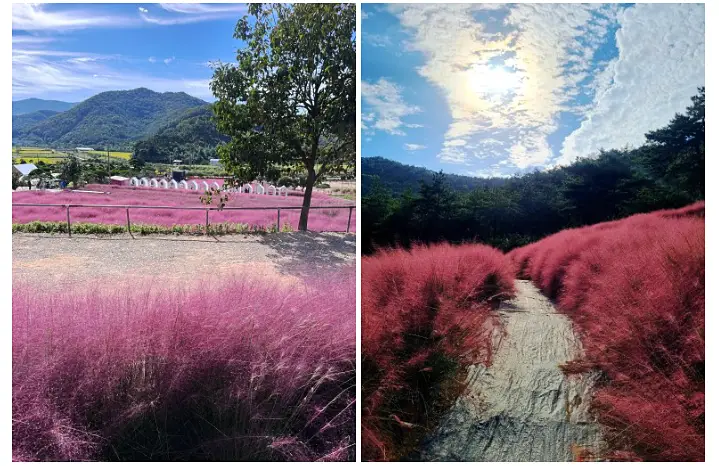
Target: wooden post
point(69, 229)
point(349, 220)
point(278, 219)
point(207, 221)
point(128, 220)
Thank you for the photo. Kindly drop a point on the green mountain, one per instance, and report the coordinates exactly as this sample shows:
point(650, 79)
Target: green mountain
point(114, 119)
point(398, 177)
point(20, 107)
point(190, 135)
point(26, 120)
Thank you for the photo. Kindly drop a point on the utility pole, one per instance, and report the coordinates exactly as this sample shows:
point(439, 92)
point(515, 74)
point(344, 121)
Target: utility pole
point(108, 164)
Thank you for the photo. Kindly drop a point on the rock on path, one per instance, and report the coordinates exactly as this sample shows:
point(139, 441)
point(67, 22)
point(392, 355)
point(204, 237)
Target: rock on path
point(522, 407)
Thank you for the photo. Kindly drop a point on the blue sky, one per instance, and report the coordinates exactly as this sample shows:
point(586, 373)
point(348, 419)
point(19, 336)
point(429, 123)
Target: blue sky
point(73, 51)
point(501, 89)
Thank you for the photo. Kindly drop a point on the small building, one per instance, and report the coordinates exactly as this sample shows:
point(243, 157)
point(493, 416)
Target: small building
point(119, 180)
point(176, 162)
point(24, 169)
point(178, 175)
point(215, 162)
point(84, 149)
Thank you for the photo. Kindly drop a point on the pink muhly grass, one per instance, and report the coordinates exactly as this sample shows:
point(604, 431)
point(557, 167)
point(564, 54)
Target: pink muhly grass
point(635, 290)
point(319, 219)
point(235, 370)
point(425, 318)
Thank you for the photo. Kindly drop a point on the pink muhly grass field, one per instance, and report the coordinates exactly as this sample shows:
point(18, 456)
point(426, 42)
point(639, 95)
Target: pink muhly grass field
point(319, 219)
point(425, 318)
point(635, 290)
point(239, 370)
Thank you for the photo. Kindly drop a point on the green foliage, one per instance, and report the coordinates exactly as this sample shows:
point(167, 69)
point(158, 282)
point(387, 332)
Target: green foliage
point(71, 171)
point(15, 179)
point(226, 228)
point(290, 98)
point(287, 181)
point(215, 195)
point(27, 120)
point(666, 172)
point(191, 136)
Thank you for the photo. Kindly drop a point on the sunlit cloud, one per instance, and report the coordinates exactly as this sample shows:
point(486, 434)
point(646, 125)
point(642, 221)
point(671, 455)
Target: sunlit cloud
point(518, 76)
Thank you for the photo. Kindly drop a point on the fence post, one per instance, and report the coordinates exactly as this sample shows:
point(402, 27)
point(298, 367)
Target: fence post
point(278, 219)
point(69, 230)
point(128, 220)
point(207, 221)
point(349, 220)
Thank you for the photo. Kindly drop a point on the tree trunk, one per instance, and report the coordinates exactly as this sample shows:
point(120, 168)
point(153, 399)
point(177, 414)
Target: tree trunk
point(304, 215)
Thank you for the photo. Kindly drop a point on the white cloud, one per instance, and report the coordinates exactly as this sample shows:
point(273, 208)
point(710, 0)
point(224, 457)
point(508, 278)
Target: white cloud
point(376, 40)
point(414, 147)
point(488, 173)
point(203, 8)
point(152, 59)
point(54, 74)
point(186, 13)
point(142, 10)
point(168, 60)
point(659, 67)
point(388, 108)
point(30, 40)
point(543, 63)
point(34, 17)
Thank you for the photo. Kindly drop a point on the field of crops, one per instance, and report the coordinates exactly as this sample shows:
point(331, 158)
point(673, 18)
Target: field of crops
point(331, 219)
point(113, 154)
point(635, 291)
point(35, 160)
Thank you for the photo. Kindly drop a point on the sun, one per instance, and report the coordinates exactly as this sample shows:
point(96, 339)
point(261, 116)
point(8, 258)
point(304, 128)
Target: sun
point(493, 80)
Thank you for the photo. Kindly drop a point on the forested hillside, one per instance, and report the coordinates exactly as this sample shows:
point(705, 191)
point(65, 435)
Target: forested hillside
point(114, 119)
point(26, 120)
point(667, 171)
point(398, 177)
point(192, 135)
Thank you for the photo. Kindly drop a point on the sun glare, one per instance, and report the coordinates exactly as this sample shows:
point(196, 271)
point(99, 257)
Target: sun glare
point(493, 81)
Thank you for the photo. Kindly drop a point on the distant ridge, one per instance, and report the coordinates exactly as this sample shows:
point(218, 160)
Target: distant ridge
point(20, 107)
point(398, 177)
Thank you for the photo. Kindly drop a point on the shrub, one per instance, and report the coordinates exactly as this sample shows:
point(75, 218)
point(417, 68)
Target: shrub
point(287, 181)
point(635, 290)
point(234, 370)
point(425, 318)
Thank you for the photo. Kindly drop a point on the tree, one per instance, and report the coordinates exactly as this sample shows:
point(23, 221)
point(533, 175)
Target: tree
point(136, 161)
point(290, 98)
point(71, 171)
point(15, 178)
point(676, 151)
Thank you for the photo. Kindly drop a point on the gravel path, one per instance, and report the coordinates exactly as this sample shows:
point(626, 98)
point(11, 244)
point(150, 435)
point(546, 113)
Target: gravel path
point(53, 261)
point(523, 407)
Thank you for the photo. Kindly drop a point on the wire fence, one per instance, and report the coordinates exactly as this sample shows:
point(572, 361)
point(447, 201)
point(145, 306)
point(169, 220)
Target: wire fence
point(206, 209)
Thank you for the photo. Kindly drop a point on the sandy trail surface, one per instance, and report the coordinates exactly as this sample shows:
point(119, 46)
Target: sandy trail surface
point(522, 407)
point(51, 262)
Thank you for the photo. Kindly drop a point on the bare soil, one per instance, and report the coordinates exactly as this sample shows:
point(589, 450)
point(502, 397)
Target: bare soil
point(55, 261)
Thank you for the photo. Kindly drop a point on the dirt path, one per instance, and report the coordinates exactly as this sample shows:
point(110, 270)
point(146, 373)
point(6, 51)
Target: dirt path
point(522, 408)
point(57, 261)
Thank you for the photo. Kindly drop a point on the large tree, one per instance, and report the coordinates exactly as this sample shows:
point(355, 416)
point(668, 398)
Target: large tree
point(290, 98)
